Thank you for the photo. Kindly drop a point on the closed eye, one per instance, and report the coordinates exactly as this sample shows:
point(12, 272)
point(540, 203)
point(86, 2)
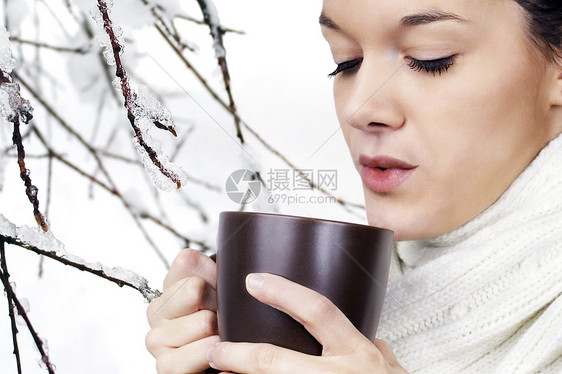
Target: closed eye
point(437, 66)
point(347, 67)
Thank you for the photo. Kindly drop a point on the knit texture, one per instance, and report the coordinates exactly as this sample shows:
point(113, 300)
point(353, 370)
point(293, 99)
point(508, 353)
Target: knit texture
point(486, 297)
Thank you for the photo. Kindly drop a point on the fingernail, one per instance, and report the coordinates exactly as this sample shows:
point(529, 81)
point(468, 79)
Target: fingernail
point(210, 355)
point(254, 281)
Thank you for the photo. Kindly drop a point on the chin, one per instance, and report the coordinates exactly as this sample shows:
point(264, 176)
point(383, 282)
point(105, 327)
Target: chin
point(405, 226)
point(381, 220)
point(405, 223)
point(401, 232)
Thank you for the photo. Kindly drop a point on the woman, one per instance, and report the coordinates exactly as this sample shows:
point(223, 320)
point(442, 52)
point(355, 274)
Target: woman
point(452, 111)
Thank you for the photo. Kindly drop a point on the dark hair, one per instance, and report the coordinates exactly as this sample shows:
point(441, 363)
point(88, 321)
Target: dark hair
point(544, 19)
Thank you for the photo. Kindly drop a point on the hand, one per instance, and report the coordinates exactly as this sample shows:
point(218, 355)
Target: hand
point(183, 320)
point(345, 349)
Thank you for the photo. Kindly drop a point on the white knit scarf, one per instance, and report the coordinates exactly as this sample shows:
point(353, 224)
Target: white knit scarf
point(486, 297)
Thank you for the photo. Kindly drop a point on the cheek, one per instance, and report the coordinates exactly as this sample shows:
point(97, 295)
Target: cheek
point(479, 114)
point(477, 136)
point(340, 92)
point(473, 137)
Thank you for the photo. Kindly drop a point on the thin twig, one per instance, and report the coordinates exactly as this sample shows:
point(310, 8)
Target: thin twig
point(125, 159)
point(23, 313)
point(112, 190)
point(345, 204)
point(78, 50)
point(108, 144)
point(181, 143)
point(199, 22)
point(187, 241)
point(21, 110)
point(6, 18)
point(63, 124)
point(195, 205)
point(9, 293)
point(30, 189)
point(90, 34)
point(155, 10)
point(14, 154)
point(48, 203)
point(116, 193)
point(217, 32)
point(62, 24)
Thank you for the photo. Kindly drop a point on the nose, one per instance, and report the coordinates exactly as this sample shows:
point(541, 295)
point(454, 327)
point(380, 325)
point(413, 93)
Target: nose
point(370, 102)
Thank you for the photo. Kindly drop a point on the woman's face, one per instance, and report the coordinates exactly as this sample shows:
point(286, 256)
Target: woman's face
point(442, 103)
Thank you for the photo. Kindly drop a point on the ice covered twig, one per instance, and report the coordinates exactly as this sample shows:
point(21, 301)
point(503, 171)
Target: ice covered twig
point(14, 108)
point(13, 301)
point(166, 27)
point(30, 189)
point(137, 113)
point(47, 245)
point(211, 18)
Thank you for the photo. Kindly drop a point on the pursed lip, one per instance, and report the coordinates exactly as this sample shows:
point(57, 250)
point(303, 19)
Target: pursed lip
point(383, 173)
point(384, 162)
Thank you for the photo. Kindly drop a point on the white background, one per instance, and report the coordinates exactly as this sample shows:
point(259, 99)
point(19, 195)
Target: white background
point(279, 77)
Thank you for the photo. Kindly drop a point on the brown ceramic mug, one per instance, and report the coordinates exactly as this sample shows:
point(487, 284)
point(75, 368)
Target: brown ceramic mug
point(348, 263)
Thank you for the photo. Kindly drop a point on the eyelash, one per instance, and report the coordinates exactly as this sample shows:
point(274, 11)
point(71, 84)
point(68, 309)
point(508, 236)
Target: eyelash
point(346, 67)
point(437, 66)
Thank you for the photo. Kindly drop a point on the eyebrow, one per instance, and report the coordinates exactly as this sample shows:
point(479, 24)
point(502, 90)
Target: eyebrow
point(429, 17)
point(412, 20)
point(324, 20)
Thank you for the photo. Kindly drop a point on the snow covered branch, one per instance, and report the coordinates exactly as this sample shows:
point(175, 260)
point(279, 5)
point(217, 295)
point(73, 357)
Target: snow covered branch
point(13, 109)
point(47, 245)
point(143, 110)
point(211, 18)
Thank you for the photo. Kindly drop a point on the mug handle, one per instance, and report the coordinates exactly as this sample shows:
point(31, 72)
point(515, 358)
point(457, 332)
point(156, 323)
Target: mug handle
point(211, 370)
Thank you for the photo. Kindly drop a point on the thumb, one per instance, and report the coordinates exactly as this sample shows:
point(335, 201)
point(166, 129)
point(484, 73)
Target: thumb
point(386, 351)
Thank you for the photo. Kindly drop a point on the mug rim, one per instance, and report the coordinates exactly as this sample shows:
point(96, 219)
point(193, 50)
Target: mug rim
point(289, 216)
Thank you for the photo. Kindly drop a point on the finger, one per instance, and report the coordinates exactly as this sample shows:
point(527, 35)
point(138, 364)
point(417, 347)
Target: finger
point(262, 358)
point(315, 312)
point(191, 358)
point(187, 296)
point(181, 331)
point(190, 262)
point(386, 351)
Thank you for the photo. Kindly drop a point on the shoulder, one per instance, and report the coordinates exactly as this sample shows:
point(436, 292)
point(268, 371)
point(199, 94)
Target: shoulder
point(538, 345)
